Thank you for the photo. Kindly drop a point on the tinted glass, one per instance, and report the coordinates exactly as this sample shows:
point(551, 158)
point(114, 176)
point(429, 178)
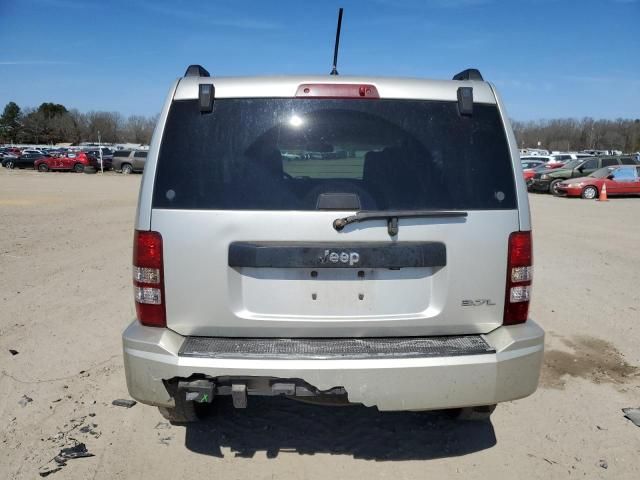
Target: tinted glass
point(140, 154)
point(589, 164)
point(608, 162)
point(282, 154)
point(122, 153)
point(627, 161)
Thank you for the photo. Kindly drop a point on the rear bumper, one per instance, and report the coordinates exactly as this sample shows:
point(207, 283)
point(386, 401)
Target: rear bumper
point(151, 356)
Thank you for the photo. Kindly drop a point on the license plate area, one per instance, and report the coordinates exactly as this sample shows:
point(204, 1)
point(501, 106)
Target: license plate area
point(332, 292)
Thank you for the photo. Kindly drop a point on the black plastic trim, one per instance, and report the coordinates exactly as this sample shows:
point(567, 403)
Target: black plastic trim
point(196, 71)
point(337, 255)
point(469, 74)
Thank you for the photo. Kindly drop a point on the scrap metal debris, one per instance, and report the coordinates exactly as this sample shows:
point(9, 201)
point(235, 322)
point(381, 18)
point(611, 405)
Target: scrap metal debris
point(24, 401)
point(122, 402)
point(632, 414)
point(79, 450)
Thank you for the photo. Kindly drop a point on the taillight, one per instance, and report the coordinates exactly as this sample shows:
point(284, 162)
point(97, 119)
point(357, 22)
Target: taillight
point(148, 278)
point(519, 276)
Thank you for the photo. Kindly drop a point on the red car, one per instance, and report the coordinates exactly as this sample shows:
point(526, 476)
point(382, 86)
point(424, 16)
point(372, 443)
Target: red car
point(530, 172)
point(72, 161)
point(620, 180)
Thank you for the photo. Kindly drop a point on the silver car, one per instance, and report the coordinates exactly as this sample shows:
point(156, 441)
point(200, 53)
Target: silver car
point(335, 239)
point(129, 161)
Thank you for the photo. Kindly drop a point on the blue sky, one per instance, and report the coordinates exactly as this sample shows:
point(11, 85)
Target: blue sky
point(549, 58)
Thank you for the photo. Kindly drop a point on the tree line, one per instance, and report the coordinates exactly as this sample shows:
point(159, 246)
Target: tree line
point(569, 134)
point(53, 123)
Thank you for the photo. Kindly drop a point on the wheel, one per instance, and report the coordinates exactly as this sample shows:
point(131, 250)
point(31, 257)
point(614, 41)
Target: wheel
point(10, 165)
point(43, 167)
point(185, 411)
point(473, 414)
point(127, 169)
point(553, 187)
point(78, 168)
point(589, 192)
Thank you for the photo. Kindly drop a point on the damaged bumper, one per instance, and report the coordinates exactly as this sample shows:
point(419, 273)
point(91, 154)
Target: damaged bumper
point(508, 369)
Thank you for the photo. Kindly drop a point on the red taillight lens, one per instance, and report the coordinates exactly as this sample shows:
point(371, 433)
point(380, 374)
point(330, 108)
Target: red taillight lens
point(519, 276)
point(148, 278)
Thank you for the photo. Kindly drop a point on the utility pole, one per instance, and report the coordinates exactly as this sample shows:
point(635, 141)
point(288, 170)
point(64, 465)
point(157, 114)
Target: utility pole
point(100, 152)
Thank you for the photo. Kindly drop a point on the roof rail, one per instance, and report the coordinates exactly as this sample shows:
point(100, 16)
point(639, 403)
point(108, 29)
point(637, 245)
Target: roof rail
point(196, 71)
point(469, 74)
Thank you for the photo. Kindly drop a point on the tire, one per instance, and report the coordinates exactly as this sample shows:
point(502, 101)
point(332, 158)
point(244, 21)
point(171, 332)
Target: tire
point(78, 168)
point(10, 165)
point(90, 170)
point(553, 187)
point(473, 414)
point(43, 167)
point(127, 169)
point(589, 193)
point(184, 411)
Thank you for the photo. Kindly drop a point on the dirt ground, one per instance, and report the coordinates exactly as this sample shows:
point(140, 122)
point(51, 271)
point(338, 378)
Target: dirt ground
point(65, 297)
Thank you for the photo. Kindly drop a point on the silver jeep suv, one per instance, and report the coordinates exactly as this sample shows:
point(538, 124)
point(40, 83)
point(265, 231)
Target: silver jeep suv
point(335, 239)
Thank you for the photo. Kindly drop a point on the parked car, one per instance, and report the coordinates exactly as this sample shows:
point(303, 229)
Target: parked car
point(549, 181)
point(129, 161)
point(544, 168)
point(12, 150)
point(620, 180)
point(7, 154)
point(556, 157)
point(23, 161)
point(252, 279)
point(528, 164)
point(34, 151)
point(107, 158)
point(73, 161)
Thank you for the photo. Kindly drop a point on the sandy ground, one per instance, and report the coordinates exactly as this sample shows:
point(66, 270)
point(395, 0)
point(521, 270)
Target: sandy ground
point(65, 297)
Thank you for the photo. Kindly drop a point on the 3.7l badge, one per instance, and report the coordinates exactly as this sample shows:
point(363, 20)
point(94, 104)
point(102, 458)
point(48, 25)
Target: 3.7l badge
point(477, 303)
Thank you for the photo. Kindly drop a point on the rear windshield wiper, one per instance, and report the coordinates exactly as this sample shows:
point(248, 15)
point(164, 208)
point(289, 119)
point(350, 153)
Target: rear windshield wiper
point(392, 217)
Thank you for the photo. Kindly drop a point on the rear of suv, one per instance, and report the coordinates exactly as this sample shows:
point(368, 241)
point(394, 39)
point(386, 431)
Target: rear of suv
point(365, 240)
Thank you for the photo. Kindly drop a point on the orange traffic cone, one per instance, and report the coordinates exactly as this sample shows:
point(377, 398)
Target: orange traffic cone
point(603, 194)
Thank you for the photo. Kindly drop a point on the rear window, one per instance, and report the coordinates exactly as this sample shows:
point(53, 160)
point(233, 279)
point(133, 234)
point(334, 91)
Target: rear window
point(282, 154)
point(122, 153)
point(140, 154)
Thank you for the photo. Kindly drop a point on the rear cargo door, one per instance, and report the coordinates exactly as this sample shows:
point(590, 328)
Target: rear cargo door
point(246, 200)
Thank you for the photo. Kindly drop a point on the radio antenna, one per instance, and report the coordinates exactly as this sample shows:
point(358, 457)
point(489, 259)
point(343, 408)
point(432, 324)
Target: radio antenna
point(334, 70)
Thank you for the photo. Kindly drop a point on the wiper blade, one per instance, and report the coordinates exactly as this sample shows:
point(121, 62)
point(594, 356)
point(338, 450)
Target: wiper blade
point(392, 217)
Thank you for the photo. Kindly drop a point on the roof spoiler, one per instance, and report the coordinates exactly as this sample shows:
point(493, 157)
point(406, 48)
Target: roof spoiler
point(469, 74)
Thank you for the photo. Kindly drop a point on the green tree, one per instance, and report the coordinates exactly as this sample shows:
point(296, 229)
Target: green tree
point(50, 110)
point(10, 122)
